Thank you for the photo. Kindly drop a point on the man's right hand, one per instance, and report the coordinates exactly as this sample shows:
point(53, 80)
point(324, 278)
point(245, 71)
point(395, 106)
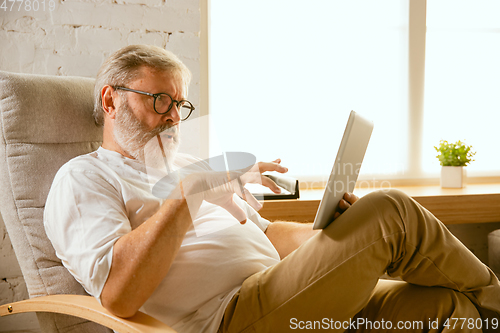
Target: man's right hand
point(219, 187)
point(137, 268)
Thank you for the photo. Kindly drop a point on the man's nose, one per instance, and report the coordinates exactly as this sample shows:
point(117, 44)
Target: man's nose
point(173, 115)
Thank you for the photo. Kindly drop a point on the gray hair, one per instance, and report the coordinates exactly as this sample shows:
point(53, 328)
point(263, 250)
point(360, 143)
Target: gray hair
point(124, 65)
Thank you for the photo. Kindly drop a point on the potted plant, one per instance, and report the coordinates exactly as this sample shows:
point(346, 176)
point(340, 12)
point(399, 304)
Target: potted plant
point(453, 157)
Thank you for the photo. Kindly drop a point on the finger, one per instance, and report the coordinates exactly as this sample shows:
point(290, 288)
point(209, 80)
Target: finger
point(271, 166)
point(343, 204)
point(235, 210)
point(337, 214)
point(269, 183)
point(278, 160)
point(252, 201)
point(350, 198)
point(246, 195)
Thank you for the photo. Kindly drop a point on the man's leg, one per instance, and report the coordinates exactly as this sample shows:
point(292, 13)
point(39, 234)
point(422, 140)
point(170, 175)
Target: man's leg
point(334, 273)
point(397, 306)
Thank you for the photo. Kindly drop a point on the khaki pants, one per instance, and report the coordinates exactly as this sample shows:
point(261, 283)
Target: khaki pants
point(333, 279)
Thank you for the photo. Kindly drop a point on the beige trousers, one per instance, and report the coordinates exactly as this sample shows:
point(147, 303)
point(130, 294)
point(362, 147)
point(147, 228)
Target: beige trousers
point(332, 280)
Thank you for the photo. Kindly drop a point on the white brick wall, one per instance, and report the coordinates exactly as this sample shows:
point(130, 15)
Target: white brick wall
point(74, 39)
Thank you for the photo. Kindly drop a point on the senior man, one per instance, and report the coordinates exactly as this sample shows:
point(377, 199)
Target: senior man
point(185, 258)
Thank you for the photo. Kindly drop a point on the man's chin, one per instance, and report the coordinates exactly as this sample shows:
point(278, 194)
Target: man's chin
point(160, 156)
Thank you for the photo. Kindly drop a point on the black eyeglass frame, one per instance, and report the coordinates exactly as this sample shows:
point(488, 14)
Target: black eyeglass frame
point(155, 96)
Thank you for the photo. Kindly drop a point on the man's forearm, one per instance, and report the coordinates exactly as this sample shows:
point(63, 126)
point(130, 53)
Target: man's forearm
point(288, 236)
point(142, 258)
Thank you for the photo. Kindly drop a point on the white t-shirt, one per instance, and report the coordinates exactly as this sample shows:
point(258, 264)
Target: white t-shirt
point(99, 197)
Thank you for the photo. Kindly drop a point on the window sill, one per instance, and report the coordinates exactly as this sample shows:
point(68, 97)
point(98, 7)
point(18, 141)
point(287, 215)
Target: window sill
point(475, 203)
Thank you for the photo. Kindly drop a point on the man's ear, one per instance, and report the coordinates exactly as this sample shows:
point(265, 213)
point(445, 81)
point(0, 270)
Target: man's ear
point(109, 102)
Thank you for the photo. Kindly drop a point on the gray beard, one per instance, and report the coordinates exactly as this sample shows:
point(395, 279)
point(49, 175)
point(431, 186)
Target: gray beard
point(141, 143)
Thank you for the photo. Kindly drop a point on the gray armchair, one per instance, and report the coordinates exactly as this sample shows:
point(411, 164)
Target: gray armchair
point(44, 122)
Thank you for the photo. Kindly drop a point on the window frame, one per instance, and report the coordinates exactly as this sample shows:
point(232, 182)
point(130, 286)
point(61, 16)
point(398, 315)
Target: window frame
point(416, 90)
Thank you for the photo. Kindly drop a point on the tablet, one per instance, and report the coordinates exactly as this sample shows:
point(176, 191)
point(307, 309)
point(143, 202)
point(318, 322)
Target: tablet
point(345, 169)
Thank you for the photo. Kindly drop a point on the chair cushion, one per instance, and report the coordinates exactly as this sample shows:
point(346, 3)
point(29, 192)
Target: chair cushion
point(44, 122)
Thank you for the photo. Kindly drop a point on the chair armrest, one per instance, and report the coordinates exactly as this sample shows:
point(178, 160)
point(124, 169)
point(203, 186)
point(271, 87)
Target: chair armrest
point(87, 307)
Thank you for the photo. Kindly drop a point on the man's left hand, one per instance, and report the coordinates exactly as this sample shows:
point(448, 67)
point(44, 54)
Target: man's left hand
point(348, 200)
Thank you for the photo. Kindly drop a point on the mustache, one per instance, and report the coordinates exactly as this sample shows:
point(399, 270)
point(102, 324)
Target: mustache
point(166, 128)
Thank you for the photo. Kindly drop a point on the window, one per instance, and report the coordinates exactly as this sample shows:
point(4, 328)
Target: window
point(285, 74)
point(462, 86)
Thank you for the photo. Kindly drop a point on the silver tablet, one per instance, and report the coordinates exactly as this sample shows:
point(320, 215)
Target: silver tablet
point(345, 169)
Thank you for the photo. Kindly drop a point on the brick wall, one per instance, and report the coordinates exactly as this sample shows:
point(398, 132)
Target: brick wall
point(74, 39)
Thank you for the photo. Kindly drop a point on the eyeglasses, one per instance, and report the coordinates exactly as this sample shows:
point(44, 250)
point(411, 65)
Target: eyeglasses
point(163, 103)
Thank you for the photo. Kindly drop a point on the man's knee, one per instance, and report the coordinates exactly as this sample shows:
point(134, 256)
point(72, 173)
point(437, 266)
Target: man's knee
point(395, 206)
point(391, 199)
point(389, 194)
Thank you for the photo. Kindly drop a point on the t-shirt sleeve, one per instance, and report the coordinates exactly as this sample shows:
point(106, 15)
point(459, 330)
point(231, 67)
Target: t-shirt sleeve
point(84, 217)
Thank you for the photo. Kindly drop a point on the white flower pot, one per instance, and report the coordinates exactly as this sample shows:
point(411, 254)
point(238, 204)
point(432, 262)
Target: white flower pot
point(452, 176)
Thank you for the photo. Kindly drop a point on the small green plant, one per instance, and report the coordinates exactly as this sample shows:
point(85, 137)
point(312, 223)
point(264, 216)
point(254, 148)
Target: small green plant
point(454, 154)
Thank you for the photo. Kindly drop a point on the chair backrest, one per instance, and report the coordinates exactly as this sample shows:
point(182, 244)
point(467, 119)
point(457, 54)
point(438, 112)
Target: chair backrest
point(44, 121)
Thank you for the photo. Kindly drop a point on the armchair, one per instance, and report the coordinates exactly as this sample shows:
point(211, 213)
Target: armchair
point(44, 122)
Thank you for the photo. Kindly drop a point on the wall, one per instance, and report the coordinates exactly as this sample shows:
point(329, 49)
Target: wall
point(74, 39)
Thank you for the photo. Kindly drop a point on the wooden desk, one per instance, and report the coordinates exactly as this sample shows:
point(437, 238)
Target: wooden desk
point(476, 203)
